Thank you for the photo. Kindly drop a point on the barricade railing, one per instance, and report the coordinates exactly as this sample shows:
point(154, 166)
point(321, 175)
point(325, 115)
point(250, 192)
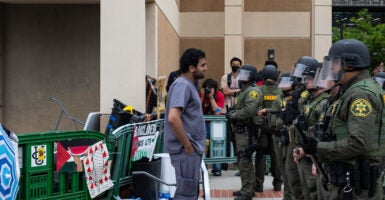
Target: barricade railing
point(121, 138)
point(220, 145)
point(42, 181)
point(38, 176)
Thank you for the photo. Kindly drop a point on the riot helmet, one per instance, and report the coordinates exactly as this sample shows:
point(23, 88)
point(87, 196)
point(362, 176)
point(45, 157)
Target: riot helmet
point(270, 72)
point(301, 65)
point(353, 53)
point(247, 73)
point(285, 81)
point(346, 52)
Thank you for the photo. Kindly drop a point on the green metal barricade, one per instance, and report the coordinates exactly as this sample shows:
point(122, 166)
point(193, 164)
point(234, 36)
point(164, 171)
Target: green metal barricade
point(38, 178)
point(121, 138)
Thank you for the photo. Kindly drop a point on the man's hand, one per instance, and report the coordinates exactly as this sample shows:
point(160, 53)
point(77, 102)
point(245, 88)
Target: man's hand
point(188, 148)
point(262, 112)
point(310, 147)
point(298, 154)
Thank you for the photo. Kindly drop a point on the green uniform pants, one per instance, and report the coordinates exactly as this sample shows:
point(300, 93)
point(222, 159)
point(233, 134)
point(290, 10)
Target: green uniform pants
point(245, 164)
point(280, 152)
point(291, 169)
point(266, 142)
point(308, 180)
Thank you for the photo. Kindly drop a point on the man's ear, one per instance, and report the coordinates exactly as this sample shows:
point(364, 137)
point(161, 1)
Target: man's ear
point(192, 68)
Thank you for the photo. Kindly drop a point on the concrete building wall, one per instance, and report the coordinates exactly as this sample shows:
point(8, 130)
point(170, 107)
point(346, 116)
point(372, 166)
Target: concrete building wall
point(168, 46)
point(214, 49)
point(49, 51)
point(86, 55)
point(251, 28)
point(123, 53)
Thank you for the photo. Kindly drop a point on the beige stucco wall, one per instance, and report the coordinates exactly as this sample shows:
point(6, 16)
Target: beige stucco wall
point(322, 28)
point(168, 46)
point(277, 24)
point(123, 54)
point(214, 48)
point(287, 51)
point(202, 24)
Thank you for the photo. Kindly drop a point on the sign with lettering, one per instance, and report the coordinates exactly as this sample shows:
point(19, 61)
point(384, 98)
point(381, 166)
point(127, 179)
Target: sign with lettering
point(144, 141)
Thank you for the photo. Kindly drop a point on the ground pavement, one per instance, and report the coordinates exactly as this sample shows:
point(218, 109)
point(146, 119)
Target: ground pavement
point(222, 187)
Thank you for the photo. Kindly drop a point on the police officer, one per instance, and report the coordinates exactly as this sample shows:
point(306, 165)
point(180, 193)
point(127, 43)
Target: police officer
point(311, 110)
point(351, 156)
point(275, 123)
point(270, 91)
point(290, 113)
point(246, 124)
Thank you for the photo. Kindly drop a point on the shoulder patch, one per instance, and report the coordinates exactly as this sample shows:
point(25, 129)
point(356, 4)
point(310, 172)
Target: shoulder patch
point(304, 94)
point(361, 108)
point(253, 94)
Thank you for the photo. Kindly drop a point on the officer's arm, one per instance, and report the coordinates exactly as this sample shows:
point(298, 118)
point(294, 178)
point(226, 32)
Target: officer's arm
point(252, 100)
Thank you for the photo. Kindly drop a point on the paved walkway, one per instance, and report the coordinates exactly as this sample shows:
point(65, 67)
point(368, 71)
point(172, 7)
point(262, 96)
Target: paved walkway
point(222, 187)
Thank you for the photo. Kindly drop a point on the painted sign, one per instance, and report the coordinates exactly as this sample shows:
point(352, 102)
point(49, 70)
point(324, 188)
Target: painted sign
point(144, 141)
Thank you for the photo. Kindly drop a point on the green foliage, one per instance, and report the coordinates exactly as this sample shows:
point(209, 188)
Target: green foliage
point(365, 30)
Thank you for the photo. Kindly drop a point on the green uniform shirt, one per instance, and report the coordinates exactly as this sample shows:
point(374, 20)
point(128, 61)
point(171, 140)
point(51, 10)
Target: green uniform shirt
point(247, 103)
point(313, 110)
point(355, 122)
point(270, 92)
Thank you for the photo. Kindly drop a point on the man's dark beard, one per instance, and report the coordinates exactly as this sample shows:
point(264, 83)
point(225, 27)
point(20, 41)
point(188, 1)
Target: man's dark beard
point(198, 76)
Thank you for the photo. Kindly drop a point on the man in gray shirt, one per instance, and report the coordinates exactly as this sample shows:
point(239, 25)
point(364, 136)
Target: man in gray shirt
point(184, 127)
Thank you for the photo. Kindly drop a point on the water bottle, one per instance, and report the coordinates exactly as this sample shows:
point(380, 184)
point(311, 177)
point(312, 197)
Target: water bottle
point(164, 195)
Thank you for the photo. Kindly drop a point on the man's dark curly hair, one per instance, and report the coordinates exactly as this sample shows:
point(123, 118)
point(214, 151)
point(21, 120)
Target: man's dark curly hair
point(190, 57)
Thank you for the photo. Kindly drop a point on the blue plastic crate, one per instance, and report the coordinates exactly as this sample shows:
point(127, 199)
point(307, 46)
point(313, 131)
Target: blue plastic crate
point(217, 148)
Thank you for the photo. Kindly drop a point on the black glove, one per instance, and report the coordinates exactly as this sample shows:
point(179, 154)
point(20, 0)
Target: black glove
point(228, 116)
point(310, 146)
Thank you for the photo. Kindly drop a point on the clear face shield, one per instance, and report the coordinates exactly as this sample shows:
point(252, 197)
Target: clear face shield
point(285, 82)
point(380, 80)
point(243, 75)
point(332, 69)
point(321, 83)
point(298, 69)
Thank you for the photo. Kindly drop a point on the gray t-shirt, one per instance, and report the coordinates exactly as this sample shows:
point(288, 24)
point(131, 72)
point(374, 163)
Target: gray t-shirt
point(183, 94)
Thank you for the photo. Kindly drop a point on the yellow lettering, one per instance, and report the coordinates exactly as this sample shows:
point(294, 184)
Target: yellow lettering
point(269, 98)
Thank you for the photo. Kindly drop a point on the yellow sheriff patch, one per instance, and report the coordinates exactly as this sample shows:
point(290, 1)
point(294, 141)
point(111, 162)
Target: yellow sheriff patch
point(304, 94)
point(361, 108)
point(253, 94)
point(307, 110)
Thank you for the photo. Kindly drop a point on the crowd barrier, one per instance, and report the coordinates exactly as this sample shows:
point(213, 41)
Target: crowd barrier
point(40, 180)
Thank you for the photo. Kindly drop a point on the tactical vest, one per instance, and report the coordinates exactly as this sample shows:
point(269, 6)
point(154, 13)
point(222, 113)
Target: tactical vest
point(377, 146)
point(239, 101)
point(310, 108)
point(270, 93)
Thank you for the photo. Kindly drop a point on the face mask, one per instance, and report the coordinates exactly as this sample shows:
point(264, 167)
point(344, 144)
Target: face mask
point(234, 68)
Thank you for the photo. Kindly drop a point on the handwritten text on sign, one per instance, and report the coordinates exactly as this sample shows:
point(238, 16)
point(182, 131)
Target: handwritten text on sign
point(144, 141)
